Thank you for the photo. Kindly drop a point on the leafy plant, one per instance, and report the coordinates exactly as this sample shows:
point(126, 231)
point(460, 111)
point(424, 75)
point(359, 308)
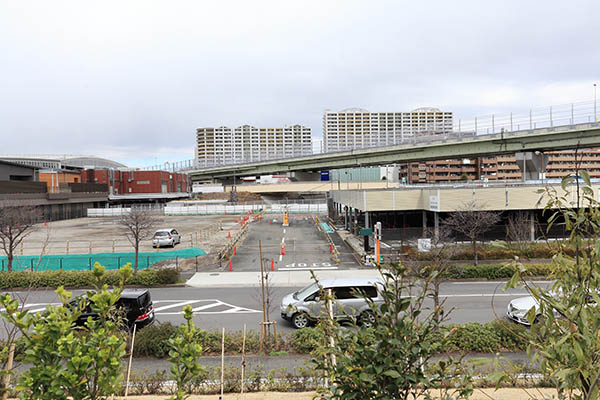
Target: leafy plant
point(388, 362)
point(565, 336)
point(184, 354)
point(69, 361)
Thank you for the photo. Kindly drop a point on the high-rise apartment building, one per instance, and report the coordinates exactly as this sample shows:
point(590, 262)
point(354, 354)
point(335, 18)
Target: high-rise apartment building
point(356, 127)
point(223, 145)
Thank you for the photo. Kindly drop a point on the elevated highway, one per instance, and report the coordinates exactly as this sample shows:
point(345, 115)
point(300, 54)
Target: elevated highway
point(454, 145)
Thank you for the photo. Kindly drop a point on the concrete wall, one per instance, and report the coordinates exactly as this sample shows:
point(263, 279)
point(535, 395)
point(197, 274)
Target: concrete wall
point(448, 199)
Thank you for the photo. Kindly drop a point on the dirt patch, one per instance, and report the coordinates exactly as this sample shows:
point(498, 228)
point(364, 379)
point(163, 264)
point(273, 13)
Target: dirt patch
point(480, 394)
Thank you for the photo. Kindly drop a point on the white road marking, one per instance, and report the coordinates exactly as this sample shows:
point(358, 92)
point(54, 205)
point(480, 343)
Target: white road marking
point(492, 282)
point(37, 310)
point(485, 295)
point(283, 240)
point(284, 231)
point(178, 304)
point(211, 305)
point(280, 257)
point(306, 268)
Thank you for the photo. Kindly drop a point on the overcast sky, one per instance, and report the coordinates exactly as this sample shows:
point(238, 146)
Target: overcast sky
point(132, 80)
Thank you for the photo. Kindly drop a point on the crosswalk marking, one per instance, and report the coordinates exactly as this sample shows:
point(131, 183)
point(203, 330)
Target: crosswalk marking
point(179, 304)
point(207, 306)
point(168, 307)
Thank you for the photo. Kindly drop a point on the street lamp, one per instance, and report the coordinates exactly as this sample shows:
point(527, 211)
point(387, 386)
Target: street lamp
point(595, 117)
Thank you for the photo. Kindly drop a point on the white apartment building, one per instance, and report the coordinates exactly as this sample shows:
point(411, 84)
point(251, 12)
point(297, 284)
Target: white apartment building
point(357, 127)
point(223, 145)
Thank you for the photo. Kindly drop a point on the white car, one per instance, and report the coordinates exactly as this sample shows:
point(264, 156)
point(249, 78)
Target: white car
point(166, 237)
point(303, 307)
point(518, 309)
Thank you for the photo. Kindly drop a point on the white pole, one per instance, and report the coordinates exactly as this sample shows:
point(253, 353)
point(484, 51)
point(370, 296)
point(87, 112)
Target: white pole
point(243, 360)
point(222, 363)
point(130, 360)
point(595, 117)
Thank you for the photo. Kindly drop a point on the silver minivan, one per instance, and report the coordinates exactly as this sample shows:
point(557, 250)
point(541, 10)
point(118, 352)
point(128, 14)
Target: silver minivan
point(304, 306)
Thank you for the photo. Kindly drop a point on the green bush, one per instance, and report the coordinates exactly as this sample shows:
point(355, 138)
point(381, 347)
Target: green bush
point(494, 271)
point(474, 336)
point(74, 279)
point(152, 340)
point(304, 340)
point(513, 337)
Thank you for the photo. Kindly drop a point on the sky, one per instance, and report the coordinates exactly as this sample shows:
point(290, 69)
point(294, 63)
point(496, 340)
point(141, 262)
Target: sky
point(132, 80)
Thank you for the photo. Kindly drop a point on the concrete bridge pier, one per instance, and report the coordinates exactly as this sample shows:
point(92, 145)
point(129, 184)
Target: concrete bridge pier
point(532, 164)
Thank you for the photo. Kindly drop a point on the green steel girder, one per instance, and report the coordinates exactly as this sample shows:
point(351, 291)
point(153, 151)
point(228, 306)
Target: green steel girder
point(546, 139)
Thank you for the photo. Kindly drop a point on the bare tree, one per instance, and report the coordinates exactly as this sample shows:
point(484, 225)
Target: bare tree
point(16, 223)
point(471, 222)
point(139, 224)
point(436, 268)
point(519, 230)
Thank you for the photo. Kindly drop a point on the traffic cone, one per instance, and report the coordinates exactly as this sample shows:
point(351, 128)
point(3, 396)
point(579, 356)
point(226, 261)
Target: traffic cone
point(230, 266)
point(228, 235)
point(271, 222)
point(45, 223)
point(330, 248)
point(272, 265)
point(234, 250)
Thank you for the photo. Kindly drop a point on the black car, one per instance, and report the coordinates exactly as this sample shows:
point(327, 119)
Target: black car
point(135, 306)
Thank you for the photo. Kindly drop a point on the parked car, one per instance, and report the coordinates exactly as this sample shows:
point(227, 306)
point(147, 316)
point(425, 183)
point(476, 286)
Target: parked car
point(134, 306)
point(305, 306)
point(166, 237)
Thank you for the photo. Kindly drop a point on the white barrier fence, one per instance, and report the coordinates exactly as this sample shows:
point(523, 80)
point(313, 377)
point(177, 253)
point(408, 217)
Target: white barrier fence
point(108, 212)
point(219, 209)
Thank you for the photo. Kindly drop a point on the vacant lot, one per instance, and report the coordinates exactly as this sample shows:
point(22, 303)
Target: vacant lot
point(98, 235)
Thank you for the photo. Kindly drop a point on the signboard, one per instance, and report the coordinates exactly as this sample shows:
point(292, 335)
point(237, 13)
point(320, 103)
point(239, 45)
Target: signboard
point(434, 203)
point(365, 232)
point(424, 245)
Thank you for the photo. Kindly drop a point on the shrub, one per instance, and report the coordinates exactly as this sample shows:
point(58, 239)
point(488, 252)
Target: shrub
point(304, 340)
point(152, 340)
point(474, 336)
point(74, 279)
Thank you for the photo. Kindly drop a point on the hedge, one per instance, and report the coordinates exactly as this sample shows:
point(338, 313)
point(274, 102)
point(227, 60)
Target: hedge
point(495, 271)
point(54, 279)
point(490, 337)
point(502, 251)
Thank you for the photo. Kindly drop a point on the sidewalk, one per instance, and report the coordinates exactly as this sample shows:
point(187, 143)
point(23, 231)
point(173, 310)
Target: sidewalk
point(277, 278)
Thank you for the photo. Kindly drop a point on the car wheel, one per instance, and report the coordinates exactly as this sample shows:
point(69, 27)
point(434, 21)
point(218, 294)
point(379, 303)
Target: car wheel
point(367, 319)
point(300, 320)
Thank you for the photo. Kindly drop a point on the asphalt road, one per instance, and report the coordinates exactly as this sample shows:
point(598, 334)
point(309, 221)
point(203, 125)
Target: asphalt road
point(231, 308)
point(304, 247)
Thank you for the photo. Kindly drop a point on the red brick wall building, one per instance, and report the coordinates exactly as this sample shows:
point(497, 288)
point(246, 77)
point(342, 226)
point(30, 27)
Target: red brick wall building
point(125, 182)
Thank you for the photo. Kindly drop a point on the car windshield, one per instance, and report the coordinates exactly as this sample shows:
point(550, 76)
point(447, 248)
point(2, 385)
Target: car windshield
point(161, 234)
point(302, 293)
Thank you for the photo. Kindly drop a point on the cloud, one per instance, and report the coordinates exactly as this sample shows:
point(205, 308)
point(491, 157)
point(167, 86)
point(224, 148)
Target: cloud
point(133, 80)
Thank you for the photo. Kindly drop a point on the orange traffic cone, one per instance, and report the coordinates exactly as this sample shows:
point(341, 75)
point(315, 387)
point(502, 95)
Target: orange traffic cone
point(45, 223)
point(234, 250)
point(230, 266)
point(331, 248)
point(228, 235)
point(271, 222)
point(272, 265)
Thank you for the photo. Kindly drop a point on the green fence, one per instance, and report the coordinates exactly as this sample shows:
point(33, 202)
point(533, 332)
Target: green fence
point(79, 262)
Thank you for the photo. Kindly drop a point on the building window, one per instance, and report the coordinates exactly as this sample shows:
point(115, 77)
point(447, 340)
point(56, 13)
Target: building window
point(142, 182)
